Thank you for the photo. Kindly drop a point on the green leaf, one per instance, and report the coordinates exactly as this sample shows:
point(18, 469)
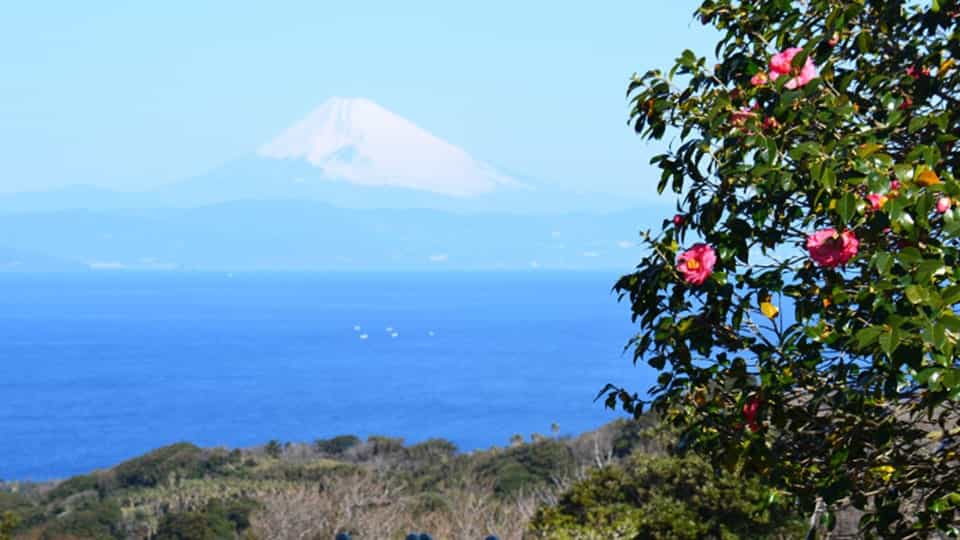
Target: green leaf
point(828, 179)
point(910, 256)
point(914, 294)
point(939, 335)
point(905, 221)
point(925, 375)
point(951, 221)
point(950, 379)
point(847, 207)
point(771, 148)
point(883, 261)
point(889, 340)
point(917, 123)
point(868, 336)
point(951, 295)
point(950, 321)
point(903, 172)
point(928, 269)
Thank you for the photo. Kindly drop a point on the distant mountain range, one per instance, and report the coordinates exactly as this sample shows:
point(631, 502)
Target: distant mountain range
point(351, 186)
point(290, 235)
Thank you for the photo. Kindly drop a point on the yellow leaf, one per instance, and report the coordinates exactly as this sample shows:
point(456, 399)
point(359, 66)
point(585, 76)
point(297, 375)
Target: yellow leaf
point(866, 149)
point(769, 310)
point(885, 472)
point(946, 66)
point(928, 178)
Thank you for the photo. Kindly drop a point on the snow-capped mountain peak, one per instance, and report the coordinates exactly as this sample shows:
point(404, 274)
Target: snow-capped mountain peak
point(357, 141)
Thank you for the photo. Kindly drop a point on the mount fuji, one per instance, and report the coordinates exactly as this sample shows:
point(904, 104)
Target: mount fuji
point(360, 142)
point(351, 152)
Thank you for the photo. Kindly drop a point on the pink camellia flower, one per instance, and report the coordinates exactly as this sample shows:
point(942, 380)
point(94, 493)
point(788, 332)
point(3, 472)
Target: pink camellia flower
point(678, 220)
point(894, 185)
point(876, 201)
point(759, 79)
point(781, 64)
point(830, 249)
point(943, 204)
point(696, 264)
point(771, 124)
point(750, 410)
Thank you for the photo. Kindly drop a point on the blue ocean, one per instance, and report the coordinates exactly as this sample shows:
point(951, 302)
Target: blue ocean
point(97, 368)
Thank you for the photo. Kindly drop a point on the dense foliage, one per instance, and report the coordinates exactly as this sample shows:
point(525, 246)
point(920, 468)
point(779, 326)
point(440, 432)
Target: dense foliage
point(801, 307)
point(8, 522)
point(215, 521)
point(338, 445)
point(664, 497)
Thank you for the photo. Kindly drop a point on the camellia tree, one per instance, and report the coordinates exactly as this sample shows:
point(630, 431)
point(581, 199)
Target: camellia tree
point(801, 307)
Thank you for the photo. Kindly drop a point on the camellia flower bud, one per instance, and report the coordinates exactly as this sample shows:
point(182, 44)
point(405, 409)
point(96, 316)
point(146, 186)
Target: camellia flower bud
point(750, 410)
point(943, 204)
point(759, 79)
point(876, 201)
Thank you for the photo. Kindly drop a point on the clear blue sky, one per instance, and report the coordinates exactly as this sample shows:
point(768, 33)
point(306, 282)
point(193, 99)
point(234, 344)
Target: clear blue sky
point(134, 94)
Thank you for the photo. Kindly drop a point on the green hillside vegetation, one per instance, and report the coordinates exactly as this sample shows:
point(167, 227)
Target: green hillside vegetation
point(665, 497)
point(381, 488)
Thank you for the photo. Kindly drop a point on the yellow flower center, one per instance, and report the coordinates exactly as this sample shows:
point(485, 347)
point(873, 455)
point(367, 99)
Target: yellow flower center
point(693, 264)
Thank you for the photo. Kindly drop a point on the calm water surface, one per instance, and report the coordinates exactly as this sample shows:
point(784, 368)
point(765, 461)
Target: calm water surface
point(97, 368)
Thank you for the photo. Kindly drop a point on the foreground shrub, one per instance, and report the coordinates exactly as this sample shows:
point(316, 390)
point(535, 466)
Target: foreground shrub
point(664, 497)
point(90, 519)
point(8, 522)
point(528, 466)
point(217, 521)
point(156, 466)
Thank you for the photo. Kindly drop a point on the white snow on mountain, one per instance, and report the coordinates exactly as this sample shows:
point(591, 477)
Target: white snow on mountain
point(357, 141)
